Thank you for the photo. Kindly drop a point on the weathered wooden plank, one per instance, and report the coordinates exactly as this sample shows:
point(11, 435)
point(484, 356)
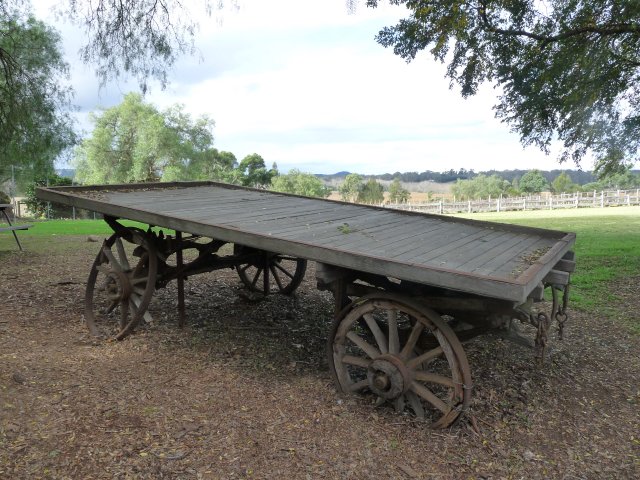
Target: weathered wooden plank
point(565, 266)
point(517, 260)
point(482, 251)
point(510, 254)
point(446, 241)
point(388, 236)
point(337, 227)
point(556, 277)
point(363, 233)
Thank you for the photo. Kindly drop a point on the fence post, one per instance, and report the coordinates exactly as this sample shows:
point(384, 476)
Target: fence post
point(602, 199)
point(524, 203)
point(469, 207)
point(551, 202)
point(440, 207)
point(497, 205)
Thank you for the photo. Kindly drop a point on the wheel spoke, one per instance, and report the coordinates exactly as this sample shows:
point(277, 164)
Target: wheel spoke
point(122, 255)
point(412, 340)
point(283, 270)
point(354, 387)
point(399, 404)
point(425, 357)
point(415, 404)
point(356, 361)
point(394, 339)
point(103, 268)
point(136, 300)
point(124, 313)
point(274, 273)
point(366, 347)
point(430, 397)
point(138, 290)
point(138, 280)
point(111, 307)
point(256, 277)
point(377, 333)
point(112, 260)
point(434, 378)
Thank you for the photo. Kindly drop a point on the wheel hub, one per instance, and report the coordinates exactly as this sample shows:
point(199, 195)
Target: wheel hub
point(388, 376)
point(118, 286)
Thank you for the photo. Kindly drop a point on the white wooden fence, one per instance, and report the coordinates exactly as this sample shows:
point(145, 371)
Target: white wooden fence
point(605, 198)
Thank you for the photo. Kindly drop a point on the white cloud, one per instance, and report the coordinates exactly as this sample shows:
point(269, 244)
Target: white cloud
point(304, 84)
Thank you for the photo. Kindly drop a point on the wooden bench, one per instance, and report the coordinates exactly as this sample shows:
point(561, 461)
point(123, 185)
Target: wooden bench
point(12, 228)
point(15, 227)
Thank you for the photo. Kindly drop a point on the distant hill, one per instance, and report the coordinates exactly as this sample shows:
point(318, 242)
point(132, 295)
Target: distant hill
point(577, 176)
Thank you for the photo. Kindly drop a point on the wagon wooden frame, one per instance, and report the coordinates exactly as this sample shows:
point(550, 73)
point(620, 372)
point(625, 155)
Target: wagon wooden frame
point(409, 288)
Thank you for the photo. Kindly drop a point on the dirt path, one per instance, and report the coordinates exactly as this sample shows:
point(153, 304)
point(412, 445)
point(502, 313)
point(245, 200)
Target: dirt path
point(244, 392)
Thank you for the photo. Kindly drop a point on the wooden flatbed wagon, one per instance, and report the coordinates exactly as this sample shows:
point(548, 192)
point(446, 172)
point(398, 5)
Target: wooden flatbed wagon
point(409, 288)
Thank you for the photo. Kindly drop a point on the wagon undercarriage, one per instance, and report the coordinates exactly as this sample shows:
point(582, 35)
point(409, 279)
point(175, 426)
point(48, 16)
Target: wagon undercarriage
point(396, 340)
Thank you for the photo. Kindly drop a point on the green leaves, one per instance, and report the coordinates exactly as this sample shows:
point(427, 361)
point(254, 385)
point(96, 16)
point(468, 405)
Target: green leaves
point(134, 142)
point(35, 126)
point(300, 183)
point(569, 69)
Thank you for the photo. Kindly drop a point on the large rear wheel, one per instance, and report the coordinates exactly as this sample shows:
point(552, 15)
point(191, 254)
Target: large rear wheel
point(375, 349)
point(120, 285)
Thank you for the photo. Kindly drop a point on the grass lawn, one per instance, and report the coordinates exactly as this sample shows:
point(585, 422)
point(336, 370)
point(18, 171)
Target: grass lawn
point(607, 247)
point(67, 227)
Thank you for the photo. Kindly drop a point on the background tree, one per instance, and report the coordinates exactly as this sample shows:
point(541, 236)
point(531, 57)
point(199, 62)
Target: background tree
point(300, 183)
point(134, 142)
point(567, 69)
point(253, 172)
point(371, 192)
point(139, 38)
point(350, 188)
point(481, 186)
point(563, 184)
point(624, 180)
point(397, 193)
point(35, 126)
point(533, 182)
point(45, 209)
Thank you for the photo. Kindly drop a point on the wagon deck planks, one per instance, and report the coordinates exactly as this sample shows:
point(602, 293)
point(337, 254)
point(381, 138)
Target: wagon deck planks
point(489, 259)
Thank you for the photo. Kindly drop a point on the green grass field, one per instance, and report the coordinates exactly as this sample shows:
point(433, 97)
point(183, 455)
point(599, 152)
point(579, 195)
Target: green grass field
point(607, 248)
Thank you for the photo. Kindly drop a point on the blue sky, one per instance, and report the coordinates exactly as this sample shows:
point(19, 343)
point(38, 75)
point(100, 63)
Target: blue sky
point(304, 84)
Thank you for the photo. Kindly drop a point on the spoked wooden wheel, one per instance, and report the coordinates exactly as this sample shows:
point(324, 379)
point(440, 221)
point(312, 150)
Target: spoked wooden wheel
point(374, 348)
point(284, 273)
point(120, 285)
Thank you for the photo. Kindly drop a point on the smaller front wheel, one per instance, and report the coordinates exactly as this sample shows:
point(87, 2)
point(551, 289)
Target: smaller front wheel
point(268, 272)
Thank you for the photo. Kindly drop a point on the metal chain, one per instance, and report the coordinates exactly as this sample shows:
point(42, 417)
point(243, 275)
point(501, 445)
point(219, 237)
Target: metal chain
point(542, 322)
point(561, 314)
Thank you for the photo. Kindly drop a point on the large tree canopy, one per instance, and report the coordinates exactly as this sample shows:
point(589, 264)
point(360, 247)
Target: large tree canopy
point(35, 126)
point(568, 69)
point(141, 38)
point(134, 142)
